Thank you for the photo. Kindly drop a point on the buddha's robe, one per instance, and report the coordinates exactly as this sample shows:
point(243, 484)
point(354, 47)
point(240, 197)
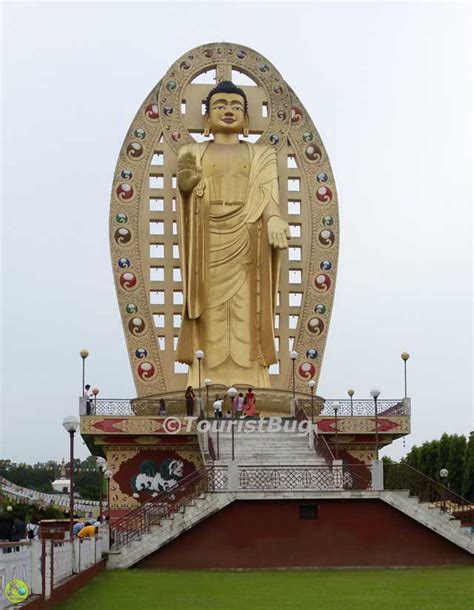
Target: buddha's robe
point(229, 270)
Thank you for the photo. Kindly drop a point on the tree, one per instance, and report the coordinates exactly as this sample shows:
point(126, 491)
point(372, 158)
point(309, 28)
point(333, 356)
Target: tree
point(455, 463)
point(413, 457)
point(40, 476)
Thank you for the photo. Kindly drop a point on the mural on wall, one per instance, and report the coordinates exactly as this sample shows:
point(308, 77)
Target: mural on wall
point(140, 475)
point(152, 479)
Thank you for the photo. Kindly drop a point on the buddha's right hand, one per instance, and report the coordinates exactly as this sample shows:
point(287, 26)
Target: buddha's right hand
point(189, 174)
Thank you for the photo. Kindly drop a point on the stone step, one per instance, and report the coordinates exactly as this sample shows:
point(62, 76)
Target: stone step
point(168, 530)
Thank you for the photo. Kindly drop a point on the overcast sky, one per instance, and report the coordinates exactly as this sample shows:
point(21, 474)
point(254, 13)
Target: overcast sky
point(388, 86)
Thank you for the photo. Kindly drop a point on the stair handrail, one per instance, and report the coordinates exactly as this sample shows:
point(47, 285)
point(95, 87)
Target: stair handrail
point(320, 444)
point(428, 490)
point(140, 519)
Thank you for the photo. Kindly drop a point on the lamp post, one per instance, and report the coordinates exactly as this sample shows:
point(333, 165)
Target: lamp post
point(71, 424)
point(83, 353)
point(199, 355)
point(404, 356)
point(102, 465)
point(375, 393)
point(294, 356)
point(207, 383)
point(95, 391)
point(336, 406)
point(351, 394)
point(108, 474)
point(443, 473)
point(312, 385)
point(232, 393)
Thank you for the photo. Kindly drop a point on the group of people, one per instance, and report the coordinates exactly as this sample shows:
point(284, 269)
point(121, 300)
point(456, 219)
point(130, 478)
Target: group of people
point(241, 406)
point(88, 529)
point(17, 529)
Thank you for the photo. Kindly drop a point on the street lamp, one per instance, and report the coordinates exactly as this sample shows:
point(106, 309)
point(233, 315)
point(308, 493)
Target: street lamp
point(83, 353)
point(71, 424)
point(404, 356)
point(102, 465)
point(375, 393)
point(207, 383)
point(95, 391)
point(336, 406)
point(443, 473)
point(108, 474)
point(351, 394)
point(312, 385)
point(232, 393)
point(199, 355)
point(294, 356)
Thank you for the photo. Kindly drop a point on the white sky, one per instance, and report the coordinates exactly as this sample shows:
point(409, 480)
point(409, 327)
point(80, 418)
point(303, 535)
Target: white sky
point(389, 89)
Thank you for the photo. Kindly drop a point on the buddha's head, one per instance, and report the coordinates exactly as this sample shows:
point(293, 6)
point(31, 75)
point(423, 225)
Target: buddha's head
point(226, 110)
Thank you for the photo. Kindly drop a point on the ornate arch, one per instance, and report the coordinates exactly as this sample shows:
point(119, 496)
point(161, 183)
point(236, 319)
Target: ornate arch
point(144, 231)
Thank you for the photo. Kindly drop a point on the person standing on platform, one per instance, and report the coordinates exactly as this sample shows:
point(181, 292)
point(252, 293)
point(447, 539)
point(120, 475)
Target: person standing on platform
point(87, 397)
point(189, 396)
point(250, 407)
point(239, 405)
point(162, 410)
point(217, 406)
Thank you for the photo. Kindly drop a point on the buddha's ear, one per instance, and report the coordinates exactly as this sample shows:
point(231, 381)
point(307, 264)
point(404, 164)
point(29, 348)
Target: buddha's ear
point(207, 125)
point(246, 126)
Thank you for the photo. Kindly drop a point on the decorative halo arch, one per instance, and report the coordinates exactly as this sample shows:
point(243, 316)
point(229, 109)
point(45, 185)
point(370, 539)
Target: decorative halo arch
point(144, 231)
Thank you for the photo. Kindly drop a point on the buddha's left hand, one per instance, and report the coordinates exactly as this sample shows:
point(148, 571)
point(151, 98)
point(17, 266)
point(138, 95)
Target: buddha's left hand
point(278, 233)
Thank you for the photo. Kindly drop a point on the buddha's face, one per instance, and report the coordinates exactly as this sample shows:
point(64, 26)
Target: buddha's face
point(227, 113)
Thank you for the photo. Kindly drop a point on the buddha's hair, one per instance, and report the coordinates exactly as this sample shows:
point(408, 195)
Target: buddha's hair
point(226, 86)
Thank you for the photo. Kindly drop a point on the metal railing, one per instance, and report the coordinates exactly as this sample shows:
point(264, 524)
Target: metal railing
point(175, 405)
point(319, 442)
point(140, 520)
point(405, 477)
point(303, 477)
point(355, 408)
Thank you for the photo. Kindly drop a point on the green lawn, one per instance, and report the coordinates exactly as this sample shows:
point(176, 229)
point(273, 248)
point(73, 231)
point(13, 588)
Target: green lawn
point(403, 589)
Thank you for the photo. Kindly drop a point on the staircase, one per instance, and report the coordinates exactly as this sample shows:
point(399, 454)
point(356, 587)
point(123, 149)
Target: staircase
point(431, 516)
point(190, 514)
point(264, 446)
point(155, 523)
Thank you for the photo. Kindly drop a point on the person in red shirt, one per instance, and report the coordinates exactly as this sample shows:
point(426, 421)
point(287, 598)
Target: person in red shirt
point(250, 407)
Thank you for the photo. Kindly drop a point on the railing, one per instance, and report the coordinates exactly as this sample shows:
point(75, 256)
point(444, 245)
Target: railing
point(301, 478)
point(175, 405)
point(239, 478)
point(319, 442)
point(110, 406)
point(355, 408)
point(15, 562)
point(140, 520)
point(405, 477)
point(46, 564)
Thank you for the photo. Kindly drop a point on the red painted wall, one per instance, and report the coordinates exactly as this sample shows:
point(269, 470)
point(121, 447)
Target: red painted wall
point(270, 534)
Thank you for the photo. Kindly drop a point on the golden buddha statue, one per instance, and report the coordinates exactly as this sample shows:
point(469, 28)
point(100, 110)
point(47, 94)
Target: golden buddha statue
point(231, 237)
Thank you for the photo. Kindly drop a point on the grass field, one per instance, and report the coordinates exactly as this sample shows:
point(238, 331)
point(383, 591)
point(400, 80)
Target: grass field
point(403, 589)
